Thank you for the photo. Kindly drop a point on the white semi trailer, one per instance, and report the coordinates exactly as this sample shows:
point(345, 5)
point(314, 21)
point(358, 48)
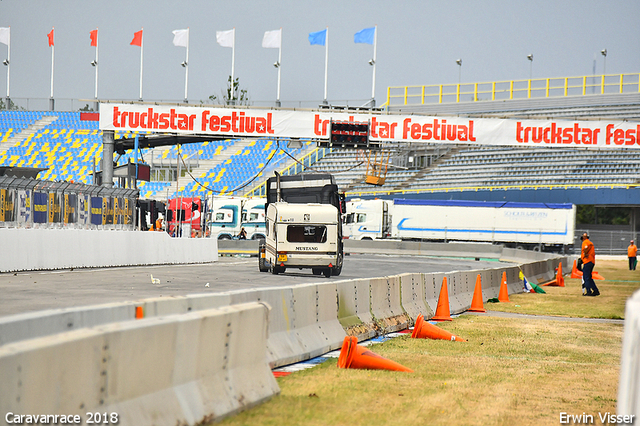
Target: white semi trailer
point(537, 226)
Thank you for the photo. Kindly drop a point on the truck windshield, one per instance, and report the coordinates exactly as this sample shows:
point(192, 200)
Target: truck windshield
point(307, 234)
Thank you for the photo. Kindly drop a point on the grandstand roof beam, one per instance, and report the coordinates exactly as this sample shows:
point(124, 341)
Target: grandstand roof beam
point(124, 144)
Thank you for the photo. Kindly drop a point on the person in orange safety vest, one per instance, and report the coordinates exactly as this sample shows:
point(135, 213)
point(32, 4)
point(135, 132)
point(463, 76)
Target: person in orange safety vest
point(588, 256)
point(632, 252)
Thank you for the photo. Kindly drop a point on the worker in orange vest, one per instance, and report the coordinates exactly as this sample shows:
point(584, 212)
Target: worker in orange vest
point(588, 257)
point(632, 252)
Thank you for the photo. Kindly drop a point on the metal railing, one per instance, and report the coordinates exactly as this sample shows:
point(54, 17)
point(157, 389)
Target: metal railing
point(31, 203)
point(605, 242)
point(513, 89)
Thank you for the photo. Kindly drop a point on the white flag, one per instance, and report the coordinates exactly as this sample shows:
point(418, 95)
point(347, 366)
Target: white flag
point(5, 35)
point(272, 39)
point(181, 37)
point(225, 38)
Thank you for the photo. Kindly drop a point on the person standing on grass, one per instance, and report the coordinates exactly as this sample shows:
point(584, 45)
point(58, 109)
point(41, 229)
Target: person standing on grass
point(588, 262)
point(632, 251)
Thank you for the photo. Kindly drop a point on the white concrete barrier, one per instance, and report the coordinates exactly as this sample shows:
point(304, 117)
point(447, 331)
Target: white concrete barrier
point(354, 308)
point(385, 304)
point(413, 296)
point(180, 369)
point(45, 249)
point(629, 385)
point(303, 322)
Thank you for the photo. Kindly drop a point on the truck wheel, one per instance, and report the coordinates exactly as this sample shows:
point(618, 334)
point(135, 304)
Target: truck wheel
point(261, 261)
point(327, 272)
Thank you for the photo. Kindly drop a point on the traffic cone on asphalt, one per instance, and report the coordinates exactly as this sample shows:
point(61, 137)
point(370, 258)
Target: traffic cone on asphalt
point(139, 312)
point(559, 280)
point(442, 311)
point(574, 271)
point(503, 296)
point(476, 302)
point(424, 330)
point(354, 356)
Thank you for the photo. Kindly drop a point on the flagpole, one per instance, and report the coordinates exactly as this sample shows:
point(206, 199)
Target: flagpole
point(96, 89)
point(279, 66)
point(186, 70)
point(51, 104)
point(326, 64)
point(141, 50)
point(8, 66)
point(233, 62)
point(373, 85)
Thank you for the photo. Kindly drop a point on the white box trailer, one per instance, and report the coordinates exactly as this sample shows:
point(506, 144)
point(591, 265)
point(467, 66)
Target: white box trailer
point(527, 225)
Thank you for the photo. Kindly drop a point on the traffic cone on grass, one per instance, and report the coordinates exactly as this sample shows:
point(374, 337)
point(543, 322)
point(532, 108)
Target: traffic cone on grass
point(476, 302)
point(359, 357)
point(559, 280)
point(503, 296)
point(442, 311)
point(424, 330)
point(596, 276)
point(574, 271)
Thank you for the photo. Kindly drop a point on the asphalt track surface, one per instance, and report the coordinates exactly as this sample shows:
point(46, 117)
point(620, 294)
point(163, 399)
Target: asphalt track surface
point(34, 291)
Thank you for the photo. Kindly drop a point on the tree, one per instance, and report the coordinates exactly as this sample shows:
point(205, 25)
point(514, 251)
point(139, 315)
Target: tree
point(233, 95)
point(8, 106)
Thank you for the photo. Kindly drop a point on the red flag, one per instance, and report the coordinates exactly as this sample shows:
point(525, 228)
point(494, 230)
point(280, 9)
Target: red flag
point(137, 39)
point(50, 36)
point(94, 37)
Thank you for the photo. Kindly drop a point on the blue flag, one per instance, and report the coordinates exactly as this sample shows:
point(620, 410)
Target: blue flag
point(365, 36)
point(319, 37)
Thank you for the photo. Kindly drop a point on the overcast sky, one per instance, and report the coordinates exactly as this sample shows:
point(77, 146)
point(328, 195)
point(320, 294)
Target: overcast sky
point(418, 43)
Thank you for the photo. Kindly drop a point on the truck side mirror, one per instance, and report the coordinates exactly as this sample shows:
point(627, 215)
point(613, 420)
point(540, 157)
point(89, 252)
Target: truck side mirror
point(343, 204)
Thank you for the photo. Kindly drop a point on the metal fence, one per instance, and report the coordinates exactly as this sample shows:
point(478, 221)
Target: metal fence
point(613, 242)
point(30, 203)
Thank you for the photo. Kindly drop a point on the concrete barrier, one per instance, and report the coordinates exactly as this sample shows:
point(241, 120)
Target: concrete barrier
point(629, 385)
point(385, 304)
point(412, 292)
point(46, 249)
point(181, 369)
point(354, 308)
point(465, 250)
point(303, 321)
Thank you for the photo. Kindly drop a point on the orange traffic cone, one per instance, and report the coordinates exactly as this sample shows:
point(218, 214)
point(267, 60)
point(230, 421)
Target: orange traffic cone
point(503, 296)
point(476, 303)
point(574, 272)
point(354, 356)
point(596, 276)
point(139, 312)
point(559, 280)
point(442, 311)
point(424, 330)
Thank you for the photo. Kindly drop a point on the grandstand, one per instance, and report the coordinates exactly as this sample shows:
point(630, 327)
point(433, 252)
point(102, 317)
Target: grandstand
point(70, 148)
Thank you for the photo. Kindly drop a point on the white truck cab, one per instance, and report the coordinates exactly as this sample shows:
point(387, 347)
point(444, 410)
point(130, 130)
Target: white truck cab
point(302, 236)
